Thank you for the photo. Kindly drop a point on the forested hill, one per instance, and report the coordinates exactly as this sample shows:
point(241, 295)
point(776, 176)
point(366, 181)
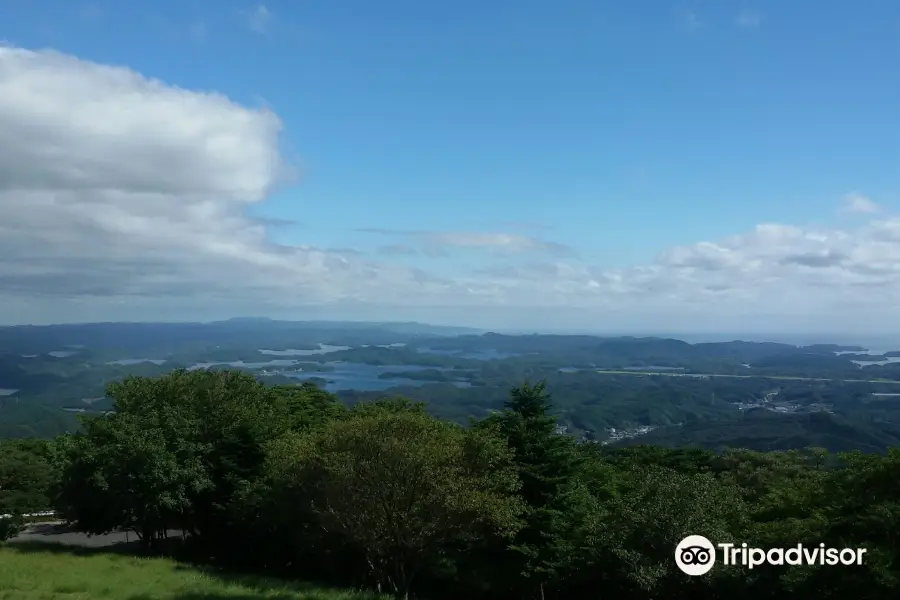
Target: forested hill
point(629, 347)
point(606, 388)
point(766, 431)
point(383, 496)
point(233, 332)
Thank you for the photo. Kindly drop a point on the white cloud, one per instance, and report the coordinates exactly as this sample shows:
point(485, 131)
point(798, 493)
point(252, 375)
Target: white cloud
point(832, 277)
point(258, 19)
point(439, 242)
point(527, 226)
point(125, 198)
point(115, 185)
point(859, 204)
point(748, 19)
point(397, 250)
point(500, 241)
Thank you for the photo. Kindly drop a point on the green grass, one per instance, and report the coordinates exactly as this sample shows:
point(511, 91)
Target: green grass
point(27, 573)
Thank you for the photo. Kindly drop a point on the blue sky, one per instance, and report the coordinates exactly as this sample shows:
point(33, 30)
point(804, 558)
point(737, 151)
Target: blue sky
point(426, 132)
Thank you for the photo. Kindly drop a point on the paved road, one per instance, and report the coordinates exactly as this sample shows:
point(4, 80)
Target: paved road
point(58, 533)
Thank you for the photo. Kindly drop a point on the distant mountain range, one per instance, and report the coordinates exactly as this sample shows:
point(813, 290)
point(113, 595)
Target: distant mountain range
point(45, 338)
point(760, 395)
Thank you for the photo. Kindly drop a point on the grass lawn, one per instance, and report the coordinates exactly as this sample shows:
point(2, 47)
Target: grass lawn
point(30, 573)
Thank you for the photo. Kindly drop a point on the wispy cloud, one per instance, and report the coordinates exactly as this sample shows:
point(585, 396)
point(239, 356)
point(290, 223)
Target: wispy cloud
point(277, 222)
point(345, 251)
point(435, 243)
point(259, 19)
point(524, 225)
point(501, 241)
point(397, 250)
point(748, 19)
point(857, 203)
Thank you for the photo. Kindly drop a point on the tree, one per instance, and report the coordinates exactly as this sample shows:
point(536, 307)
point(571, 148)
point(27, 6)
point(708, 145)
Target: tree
point(861, 510)
point(309, 406)
point(26, 475)
point(400, 487)
point(546, 463)
point(25, 479)
point(121, 473)
point(190, 443)
point(630, 538)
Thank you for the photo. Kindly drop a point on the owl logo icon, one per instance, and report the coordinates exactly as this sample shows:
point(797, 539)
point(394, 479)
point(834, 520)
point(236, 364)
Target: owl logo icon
point(695, 555)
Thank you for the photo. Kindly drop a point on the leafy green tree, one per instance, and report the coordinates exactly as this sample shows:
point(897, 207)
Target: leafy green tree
point(309, 406)
point(188, 443)
point(400, 487)
point(26, 475)
point(862, 510)
point(634, 535)
point(26, 478)
point(122, 474)
point(547, 464)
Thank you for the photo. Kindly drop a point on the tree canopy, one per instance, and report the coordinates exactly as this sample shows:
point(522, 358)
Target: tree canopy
point(383, 495)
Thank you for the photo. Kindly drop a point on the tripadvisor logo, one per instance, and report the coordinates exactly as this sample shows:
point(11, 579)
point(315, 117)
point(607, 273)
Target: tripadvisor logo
point(696, 555)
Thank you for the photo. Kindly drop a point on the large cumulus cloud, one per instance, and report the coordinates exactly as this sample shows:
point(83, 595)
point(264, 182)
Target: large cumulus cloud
point(117, 190)
point(112, 184)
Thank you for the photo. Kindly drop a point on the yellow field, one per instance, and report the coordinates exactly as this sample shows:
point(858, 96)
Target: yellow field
point(26, 574)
